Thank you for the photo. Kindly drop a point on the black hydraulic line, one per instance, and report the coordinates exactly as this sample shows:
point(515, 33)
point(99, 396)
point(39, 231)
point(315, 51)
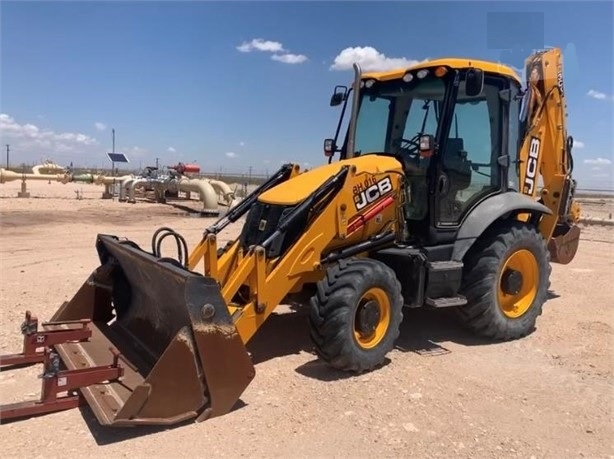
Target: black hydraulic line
point(181, 246)
point(160, 235)
point(375, 242)
point(334, 183)
point(240, 209)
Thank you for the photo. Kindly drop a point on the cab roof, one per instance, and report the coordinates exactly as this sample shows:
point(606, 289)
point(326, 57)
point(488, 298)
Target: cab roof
point(455, 63)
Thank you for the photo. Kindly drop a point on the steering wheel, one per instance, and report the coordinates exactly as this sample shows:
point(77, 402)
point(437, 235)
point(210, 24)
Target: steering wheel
point(410, 148)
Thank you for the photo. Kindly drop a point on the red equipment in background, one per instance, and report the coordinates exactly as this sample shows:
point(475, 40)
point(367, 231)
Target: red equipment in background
point(186, 168)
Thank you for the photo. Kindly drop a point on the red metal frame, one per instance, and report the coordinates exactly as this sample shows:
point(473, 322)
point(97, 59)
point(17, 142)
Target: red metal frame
point(33, 339)
point(54, 380)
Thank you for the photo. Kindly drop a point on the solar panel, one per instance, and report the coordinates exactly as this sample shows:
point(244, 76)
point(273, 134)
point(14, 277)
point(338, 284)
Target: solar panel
point(118, 158)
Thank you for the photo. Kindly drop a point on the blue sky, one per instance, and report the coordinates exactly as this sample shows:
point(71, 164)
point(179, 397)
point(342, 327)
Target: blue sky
point(186, 81)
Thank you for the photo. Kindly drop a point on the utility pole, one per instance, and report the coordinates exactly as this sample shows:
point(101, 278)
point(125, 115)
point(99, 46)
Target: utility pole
point(113, 162)
point(7, 156)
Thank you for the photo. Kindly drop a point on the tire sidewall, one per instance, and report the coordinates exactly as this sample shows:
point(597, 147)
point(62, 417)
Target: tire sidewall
point(536, 246)
point(333, 313)
point(386, 344)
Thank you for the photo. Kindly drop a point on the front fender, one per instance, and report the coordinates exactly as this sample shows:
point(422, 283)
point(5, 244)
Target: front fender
point(485, 213)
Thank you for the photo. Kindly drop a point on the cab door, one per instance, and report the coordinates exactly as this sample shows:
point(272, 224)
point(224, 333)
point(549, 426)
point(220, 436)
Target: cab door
point(469, 168)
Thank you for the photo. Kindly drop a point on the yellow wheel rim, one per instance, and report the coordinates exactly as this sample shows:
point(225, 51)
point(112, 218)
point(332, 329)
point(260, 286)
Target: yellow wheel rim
point(372, 318)
point(518, 283)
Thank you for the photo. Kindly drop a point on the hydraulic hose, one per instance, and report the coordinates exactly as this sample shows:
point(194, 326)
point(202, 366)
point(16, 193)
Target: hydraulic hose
point(182, 246)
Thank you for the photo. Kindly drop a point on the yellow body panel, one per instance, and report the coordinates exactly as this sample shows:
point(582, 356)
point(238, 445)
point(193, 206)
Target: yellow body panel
point(253, 285)
point(486, 66)
point(296, 190)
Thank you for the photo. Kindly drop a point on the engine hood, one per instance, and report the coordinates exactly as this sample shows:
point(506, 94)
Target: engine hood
point(297, 189)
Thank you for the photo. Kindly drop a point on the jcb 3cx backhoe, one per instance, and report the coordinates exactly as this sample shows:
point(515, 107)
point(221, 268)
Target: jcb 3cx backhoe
point(453, 188)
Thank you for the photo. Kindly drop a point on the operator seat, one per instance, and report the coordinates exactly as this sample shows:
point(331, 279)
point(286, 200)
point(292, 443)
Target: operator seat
point(458, 169)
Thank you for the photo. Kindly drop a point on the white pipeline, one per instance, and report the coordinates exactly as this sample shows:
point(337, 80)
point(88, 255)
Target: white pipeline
point(123, 188)
point(132, 187)
point(104, 180)
point(224, 190)
point(49, 166)
point(208, 196)
point(9, 176)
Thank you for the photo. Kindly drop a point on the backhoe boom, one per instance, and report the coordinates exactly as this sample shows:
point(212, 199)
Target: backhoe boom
point(545, 154)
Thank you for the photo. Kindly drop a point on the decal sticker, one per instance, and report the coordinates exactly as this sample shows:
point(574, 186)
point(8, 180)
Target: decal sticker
point(371, 191)
point(532, 166)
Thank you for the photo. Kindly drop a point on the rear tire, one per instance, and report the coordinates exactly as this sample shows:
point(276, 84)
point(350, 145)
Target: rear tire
point(356, 314)
point(505, 279)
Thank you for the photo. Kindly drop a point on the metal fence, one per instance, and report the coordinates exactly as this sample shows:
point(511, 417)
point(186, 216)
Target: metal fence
point(247, 178)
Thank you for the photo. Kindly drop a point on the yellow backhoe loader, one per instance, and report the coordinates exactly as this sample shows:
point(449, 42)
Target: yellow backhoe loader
point(452, 188)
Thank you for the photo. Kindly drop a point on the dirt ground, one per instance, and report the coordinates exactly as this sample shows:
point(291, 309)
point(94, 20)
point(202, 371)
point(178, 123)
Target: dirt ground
point(442, 394)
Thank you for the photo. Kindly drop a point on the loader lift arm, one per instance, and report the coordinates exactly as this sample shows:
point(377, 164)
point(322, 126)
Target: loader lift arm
point(255, 278)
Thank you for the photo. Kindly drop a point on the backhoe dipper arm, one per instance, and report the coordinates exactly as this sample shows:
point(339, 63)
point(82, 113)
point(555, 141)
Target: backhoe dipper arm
point(545, 153)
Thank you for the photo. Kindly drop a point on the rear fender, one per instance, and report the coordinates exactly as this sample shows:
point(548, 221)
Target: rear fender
point(501, 206)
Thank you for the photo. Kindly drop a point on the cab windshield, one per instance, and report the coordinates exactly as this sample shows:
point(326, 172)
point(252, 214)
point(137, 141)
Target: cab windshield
point(393, 114)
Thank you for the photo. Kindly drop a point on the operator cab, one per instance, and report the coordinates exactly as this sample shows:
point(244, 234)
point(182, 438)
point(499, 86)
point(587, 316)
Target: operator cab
point(452, 124)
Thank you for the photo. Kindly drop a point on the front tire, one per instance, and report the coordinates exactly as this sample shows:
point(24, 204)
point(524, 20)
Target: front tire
point(505, 279)
point(356, 314)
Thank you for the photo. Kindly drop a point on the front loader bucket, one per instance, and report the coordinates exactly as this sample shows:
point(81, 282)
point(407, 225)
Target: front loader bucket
point(181, 353)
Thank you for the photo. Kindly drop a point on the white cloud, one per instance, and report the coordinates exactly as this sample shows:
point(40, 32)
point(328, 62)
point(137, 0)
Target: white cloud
point(100, 126)
point(31, 142)
point(10, 128)
point(599, 95)
point(578, 144)
point(259, 44)
point(241, 143)
point(289, 58)
point(231, 155)
point(598, 161)
point(280, 53)
point(171, 150)
point(369, 59)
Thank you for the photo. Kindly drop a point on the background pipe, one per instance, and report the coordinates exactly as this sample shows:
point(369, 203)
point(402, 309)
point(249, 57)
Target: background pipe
point(104, 180)
point(132, 188)
point(83, 178)
point(208, 196)
point(223, 190)
point(46, 166)
point(123, 188)
point(9, 176)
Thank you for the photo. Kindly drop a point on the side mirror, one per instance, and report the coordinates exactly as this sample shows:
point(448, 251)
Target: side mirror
point(427, 146)
point(329, 147)
point(474, 82)
point(338, 96)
